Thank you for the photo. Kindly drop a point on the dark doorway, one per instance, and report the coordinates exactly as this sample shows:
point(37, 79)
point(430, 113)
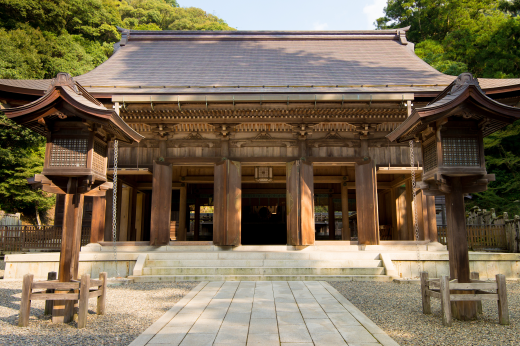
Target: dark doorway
point(264, 214)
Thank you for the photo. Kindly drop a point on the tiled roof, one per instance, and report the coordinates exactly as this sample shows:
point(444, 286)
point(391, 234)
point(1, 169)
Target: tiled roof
point(262, 62)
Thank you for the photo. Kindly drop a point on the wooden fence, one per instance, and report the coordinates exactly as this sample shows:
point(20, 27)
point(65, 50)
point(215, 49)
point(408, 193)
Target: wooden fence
point(21, 238)
point(479, 236)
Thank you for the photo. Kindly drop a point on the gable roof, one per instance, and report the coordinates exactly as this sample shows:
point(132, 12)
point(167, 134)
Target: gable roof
point(207, 62)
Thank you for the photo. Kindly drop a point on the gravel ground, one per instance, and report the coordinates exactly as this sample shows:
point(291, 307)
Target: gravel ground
point(396, 308)
point(130, 310)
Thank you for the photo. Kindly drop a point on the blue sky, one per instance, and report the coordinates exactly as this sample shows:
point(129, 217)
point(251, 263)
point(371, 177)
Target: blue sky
point(293, 14)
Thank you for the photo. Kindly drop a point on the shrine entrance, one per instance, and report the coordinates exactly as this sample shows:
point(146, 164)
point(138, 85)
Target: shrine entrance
point(264, 214)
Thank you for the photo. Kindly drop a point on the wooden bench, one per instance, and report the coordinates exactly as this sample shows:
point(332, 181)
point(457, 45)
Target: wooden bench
point(77, 291)
point(443, 289)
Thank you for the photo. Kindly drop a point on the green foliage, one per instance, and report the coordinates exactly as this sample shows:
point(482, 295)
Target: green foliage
point(21, 156)
point(456, 36)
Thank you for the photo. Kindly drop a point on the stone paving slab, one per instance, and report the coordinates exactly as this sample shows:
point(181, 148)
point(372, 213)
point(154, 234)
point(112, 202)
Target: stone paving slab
point(283, 313)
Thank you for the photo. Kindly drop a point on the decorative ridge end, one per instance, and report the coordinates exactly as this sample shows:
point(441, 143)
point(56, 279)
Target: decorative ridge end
point(64, 79)
point(462, 81)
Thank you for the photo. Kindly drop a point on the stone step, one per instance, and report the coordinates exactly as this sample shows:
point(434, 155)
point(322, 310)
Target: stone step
point(288, 255)
point(266, 263)
point(168, 278)
point(261, 271)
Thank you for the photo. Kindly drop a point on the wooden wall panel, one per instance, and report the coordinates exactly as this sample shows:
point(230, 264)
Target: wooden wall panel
point(161, 205)
point(366, 203)
point(227, 217)
point(300, 203)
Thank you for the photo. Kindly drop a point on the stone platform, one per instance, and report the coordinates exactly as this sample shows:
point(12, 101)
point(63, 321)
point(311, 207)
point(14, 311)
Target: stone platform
point(263, 313)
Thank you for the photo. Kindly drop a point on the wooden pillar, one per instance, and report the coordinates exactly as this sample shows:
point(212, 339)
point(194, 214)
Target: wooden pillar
point(181, 233)
point(227, 217)
point(425, 232)
point(196, 226)
point(139, 220)
point(332, 221)
point(458, 248)
point(161, 205)
point(366, 204)
point(394, 201)
point(133, 213)
point(108, 215)
point(124, 205)
point(432, 218)
point(97, 228)
point(345, 232)
point(300, 203)
point(409, 212)
point(70, 247)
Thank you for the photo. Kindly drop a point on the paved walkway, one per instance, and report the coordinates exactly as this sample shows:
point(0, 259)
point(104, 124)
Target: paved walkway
point(293, 313)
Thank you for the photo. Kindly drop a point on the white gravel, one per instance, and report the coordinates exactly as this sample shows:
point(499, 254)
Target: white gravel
point(396, 308)
point(130, 309)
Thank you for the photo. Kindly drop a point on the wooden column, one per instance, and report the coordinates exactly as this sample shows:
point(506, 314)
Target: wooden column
point(108, 215)
point(394, 201)
point(425, 232)
point(300, 203)
point(332, 221)
point(133, 212)
point(458, 248)
point(432, 218)
point(409, 212)
point(366, 204)
point(124, 204)
point(181, 233)
point(70, 247)
point(345, 232)
point(97, 228)
point(196, 226)
point(227, 217)
point(161, 205)
point(139, 221)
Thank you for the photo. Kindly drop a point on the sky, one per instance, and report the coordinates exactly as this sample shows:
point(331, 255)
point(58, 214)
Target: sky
point(293, 14)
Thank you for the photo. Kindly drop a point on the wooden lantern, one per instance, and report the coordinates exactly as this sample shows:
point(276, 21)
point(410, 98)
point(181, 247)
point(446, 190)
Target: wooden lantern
point(78, 128)
point(451, 130)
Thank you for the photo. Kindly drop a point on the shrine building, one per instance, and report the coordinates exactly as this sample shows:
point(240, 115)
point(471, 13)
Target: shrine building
point(261, 138)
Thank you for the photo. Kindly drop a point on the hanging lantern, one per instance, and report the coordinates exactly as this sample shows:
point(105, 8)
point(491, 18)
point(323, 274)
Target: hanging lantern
point(263, 174)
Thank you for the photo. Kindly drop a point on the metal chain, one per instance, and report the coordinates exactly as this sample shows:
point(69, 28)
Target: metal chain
point(415, 213)
point(114, 205)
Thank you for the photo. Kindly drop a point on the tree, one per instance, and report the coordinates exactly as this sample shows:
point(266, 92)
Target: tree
point(21, 156)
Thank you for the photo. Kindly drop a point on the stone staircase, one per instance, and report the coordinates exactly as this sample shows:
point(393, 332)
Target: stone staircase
point(260, 265)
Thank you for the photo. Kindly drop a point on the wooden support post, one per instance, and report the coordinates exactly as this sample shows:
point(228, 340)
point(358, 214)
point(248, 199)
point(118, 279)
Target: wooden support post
point(101, 300)
point(476, 276)
point(394, 211)
point(503, 309)
point(196, 226)
point(139, 220)
point(161, 205)
point(25, 302)
point(426, 303)
point(70, 246)
point(132, 232)
point(181, 233)
point(458, 249)
point(227, 217)
point(124, 205)
point(332, 221)
point(410, 227)
point(345, 232)
point(445, 301)
point(366, 204)
point(84, 289)
point(97, 229)
point(49, 303)
point(300, 203)
point(432, 218)
point(108, 215)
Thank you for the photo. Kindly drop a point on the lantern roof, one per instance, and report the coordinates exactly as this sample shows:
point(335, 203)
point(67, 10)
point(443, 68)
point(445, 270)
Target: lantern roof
point(462, 98)
point(66, 98)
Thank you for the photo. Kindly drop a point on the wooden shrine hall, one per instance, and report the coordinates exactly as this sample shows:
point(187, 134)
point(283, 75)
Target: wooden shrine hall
point(262, 137)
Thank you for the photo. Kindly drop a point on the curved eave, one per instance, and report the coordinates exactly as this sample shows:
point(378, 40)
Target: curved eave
point(501, 114)
point(30, 113)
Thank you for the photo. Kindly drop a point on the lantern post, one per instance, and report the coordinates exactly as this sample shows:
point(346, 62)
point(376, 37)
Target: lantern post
point(451, 130)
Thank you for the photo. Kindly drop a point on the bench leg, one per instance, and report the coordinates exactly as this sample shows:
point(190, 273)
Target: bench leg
point(445, 301)
point(503, 309)
point(25, 303)
point(101, 300)
point(84, 291)
point(426, 303)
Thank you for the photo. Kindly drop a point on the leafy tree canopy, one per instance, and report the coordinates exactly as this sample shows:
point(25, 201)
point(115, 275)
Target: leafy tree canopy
point(482, 37)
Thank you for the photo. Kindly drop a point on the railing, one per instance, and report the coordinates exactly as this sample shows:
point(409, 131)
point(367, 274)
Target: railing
point(479, 236)
point(21, 238)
